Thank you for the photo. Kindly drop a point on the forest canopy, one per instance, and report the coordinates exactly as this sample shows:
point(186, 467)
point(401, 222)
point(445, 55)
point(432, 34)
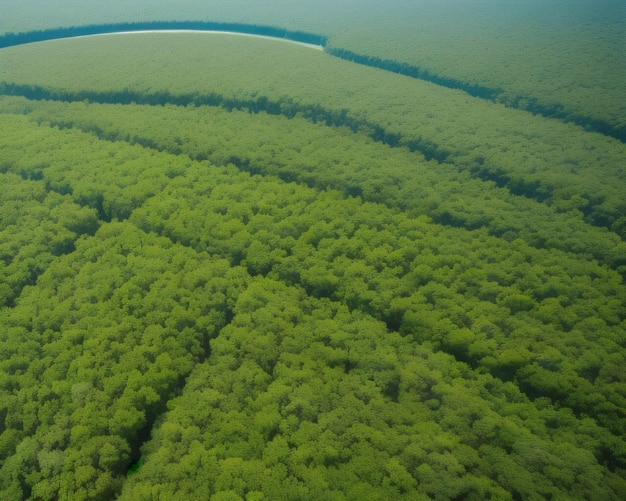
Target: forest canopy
point(563, 58)
point(232, 268)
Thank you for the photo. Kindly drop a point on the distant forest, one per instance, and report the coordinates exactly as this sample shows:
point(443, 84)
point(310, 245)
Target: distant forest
point(238, 269)
point(562, 59)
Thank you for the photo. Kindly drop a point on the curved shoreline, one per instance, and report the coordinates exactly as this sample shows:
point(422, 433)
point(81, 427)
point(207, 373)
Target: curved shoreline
point(311, 40)
point(205, 32)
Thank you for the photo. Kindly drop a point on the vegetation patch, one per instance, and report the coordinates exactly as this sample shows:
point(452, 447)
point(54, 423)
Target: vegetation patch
point(227, 278)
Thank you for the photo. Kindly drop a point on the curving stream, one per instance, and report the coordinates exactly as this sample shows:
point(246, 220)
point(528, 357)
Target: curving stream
point(311, 40)
point(206, 32)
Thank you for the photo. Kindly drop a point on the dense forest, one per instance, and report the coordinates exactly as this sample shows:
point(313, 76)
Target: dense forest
point(562, 58)
point(238, 269)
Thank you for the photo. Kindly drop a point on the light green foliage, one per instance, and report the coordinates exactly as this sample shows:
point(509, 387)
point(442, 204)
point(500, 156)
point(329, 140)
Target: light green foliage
point(294, 402)
point(35, 226)
point(113, 329)
point(287, 148)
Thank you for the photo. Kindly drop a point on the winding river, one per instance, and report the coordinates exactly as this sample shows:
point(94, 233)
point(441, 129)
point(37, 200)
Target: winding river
point(310, 40)
point(206, 32)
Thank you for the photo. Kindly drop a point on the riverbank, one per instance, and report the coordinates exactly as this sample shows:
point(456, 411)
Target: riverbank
point(308, 39)
point(205, 32)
